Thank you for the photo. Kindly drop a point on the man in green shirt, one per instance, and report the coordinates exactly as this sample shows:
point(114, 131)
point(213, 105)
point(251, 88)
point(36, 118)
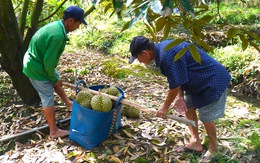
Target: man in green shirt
point(41, 60)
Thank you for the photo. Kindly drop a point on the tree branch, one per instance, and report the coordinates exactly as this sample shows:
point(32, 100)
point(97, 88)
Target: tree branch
point(34, 22)
point(23, 16)
point(52, 13)
point(92, 8)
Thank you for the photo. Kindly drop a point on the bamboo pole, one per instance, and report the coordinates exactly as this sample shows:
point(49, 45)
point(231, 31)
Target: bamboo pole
point(134, 104)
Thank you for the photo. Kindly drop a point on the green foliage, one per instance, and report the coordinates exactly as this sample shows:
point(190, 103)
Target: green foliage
point(236, 61)
point(140, 160)
point(69, 70)
point(234, 13)
point(7, 146)
point(247, 123)
point(84, 72)
point(255, 141)
point(104, 34)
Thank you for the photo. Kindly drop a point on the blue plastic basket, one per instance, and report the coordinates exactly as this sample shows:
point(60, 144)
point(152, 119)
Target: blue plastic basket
point(88, 127)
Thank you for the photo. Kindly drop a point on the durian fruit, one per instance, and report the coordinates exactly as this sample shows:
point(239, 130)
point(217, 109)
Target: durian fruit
point(112, 90)
point(101, 103)
point(130, 112)
point(84, 98)
point(134, 113)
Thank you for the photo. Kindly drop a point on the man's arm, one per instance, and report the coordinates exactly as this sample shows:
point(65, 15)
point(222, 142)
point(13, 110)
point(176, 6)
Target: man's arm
point(162, 112)
point(180, 103)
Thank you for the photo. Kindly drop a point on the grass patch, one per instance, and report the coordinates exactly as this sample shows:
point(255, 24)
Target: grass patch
point(234, 13)
point(245, 123)
point(105, 34)
point(254, 141)
point(236, 61)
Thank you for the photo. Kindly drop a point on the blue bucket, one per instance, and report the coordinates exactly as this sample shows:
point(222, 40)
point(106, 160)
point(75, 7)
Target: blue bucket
point(89, 127)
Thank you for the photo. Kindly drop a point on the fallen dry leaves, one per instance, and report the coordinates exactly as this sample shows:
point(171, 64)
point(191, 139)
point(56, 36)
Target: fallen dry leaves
point(148, 138)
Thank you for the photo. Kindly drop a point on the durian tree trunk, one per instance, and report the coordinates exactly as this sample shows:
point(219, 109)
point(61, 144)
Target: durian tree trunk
point(11, 55)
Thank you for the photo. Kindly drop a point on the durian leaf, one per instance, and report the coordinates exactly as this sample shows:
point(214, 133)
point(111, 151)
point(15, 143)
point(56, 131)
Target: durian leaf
point(151, 31)
point(107, 7)
point(180, 54)
point(206, 18)
point(142, 13)
point(186, 25)
point(166, 30)
point(160, 23)
point(244, 41)
point(202, 6)
point(206, 46)
point(195, 53)
point(231, 33)
point(251, 34)
point(187, 6)
point(173, 43)
point(117, 4)
point(203, 44)
point(197, 31)
point(126, 26)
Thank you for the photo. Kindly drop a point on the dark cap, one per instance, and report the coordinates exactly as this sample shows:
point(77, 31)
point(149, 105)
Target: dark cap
point(138, 44)
point(76, 12)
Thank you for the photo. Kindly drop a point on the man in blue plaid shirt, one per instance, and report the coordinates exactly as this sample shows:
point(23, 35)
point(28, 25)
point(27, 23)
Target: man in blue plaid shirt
point(193, 87)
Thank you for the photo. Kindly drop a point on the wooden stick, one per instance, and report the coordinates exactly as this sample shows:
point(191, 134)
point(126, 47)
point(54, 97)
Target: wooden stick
point(134, 104)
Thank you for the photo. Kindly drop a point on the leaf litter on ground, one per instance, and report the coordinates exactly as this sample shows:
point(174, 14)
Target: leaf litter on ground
point(147, 138)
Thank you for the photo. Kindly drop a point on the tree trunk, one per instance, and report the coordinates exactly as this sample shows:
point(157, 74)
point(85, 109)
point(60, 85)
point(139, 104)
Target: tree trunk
point(11, 56)
point(23, 85)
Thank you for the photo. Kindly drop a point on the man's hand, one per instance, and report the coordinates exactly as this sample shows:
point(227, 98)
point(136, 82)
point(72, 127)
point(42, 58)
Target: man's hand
point(162, 112)
point(180, 104)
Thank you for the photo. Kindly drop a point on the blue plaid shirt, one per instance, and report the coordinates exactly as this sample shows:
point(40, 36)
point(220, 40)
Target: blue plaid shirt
point(205, 82)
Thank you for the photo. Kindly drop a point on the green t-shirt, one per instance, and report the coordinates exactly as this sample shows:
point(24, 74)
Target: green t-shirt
point(44, 51)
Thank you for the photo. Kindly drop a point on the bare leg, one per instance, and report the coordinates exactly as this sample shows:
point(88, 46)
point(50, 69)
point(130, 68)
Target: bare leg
point(195, 142)
point(212, 134)
point(213, 149)
point(54, 130)
point(60, 91)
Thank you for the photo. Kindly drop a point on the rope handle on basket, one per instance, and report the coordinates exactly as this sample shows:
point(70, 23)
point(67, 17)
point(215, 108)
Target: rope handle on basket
point(115, 115)
point(77, 85)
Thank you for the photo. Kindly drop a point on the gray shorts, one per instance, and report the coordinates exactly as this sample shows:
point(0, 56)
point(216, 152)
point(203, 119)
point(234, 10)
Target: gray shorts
point(45, 91)
point(212, 111)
